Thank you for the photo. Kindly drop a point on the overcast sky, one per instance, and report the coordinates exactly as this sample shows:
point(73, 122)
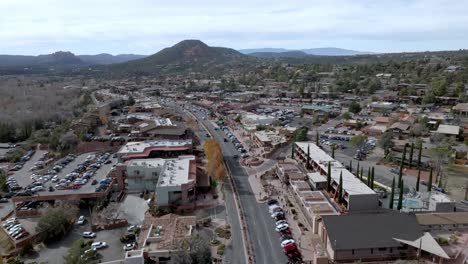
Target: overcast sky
point(145, 26)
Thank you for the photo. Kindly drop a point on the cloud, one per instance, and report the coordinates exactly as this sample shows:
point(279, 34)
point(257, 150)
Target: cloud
point(144, 26)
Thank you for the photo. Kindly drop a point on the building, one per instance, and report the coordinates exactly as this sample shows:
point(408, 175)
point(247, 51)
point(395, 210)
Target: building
point(443, 221)
point(250, 121)
point(376, 236)
point(155, 149)
point(159, 128)
point(314, 109)
point(268, 141)
point(174, 180)
point(288, 171)
point(448, 130)
point(357, 196)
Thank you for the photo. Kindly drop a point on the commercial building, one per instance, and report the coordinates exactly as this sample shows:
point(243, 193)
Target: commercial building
point(357, 196)
point(155, 149)
point(268, 141)
point(376, 236)
point(174, 180)
point(158, 128)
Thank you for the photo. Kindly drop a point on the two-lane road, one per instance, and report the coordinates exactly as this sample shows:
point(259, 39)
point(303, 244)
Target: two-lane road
point(260, 226)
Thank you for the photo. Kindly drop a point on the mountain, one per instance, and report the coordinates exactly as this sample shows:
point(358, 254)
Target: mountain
point(328, 51)
point(286, 54)
point(262, 50)
point(55, 59)
point(185, 56)
point(105, 58)
point(334, 52)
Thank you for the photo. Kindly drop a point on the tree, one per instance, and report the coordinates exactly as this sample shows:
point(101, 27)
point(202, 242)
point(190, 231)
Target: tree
point(329, 177)
point(317, 138)
point(351, 166)
point(354, 107)
point(369, 176)
point(333, 151)
point(293, 149)
point(418, 180)
point(55, 223)
point(340, 188)
point(420, 154)
point(194, 250)
point(301, 134)
point(76, 254)
point(238, 118)
point(410, 161)
point(400, 196)
point(346, 116)
point(357, 170)
point(372, 179)
point(429, 183)
point(386, 142)
point(69, 141)
point(358, 140)
point(3, 179)
point(440, 155)
point(392, 194)
point(131, 101)
point(403, 156)
point(308, 157)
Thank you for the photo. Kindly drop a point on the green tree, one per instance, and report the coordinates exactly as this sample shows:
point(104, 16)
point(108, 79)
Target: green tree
point(194, 250)
point(346, 116)
point(55, 223)
point(357, 170)
point(410, 161)
point(301, 134)
point(369, 176)
point(354, 107)
point(333, 151)
point(340, 189)
point(358, 140)
point(418, 180)
point(351, 166)
point(76, 254)
point(400, 196)
point(317, 138)
point(293, 149)
point(403, 157)
point(392, 195)
point(131, 101)
point(372, 178)
point(329, 177)
point(308, 157)
point(362, 174)
point(420, 154)
point(429, 183)
point(386, 141)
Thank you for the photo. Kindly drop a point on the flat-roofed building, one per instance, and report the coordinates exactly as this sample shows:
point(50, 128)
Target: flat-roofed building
point(357, 196)
point(174, 180)
point(155, 149)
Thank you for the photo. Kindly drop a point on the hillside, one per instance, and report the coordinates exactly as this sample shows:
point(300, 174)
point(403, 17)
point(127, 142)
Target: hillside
point(55, 59)
point(286, 54)
point(186, 56)
point(106, 59)
point(328, 51)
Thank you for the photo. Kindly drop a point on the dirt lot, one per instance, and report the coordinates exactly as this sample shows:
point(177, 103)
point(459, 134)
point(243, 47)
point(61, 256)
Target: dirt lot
point(457, 179)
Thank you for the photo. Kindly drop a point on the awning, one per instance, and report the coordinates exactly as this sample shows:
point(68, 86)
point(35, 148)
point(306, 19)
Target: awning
point(426, 243)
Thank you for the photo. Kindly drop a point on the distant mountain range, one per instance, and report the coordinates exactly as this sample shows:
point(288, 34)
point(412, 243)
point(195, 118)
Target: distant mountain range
point(329, 51)
point(64, 58)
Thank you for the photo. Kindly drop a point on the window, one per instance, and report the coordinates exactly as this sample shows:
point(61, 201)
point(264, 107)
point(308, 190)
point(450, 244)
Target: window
point(352, 251)
point(372, 251)
point(382, 249)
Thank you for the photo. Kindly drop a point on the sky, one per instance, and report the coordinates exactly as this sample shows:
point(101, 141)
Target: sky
point(32, 27)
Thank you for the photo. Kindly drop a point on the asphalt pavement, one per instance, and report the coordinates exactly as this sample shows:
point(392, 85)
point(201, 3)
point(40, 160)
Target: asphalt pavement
point(260, 226)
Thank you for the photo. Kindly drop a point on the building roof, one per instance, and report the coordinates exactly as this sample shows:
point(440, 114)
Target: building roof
point(351, 184)
point(315, 107)
point(426, 243)
point(382, 119)
point(171, 172)
point(270, 136)
point(461, 107)
point(139, 147)
point(448, 130)
point(400, 126)
point(371, 230)
point(443, 218)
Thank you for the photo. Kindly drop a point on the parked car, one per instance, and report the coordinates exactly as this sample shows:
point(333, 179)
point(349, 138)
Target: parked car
point(88, 234)
point(129, 246)
point(272, 202)
point(281, 227)
point(81, 220)
point(99, 245)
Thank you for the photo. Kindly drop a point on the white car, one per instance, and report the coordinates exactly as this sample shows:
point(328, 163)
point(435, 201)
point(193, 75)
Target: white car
point(99, 245)
point(281, 227)
point(275, 214)
point(272, 208)
point(129, 246)
point(287, 242)
point(89, 234)
point(81, 220)
point(281, 222)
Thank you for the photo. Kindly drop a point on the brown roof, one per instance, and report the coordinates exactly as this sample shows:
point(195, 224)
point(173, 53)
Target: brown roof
point(400, 126)
point(382, 119)
point(442, 218)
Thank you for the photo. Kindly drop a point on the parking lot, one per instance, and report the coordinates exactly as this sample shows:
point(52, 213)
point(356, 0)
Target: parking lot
point(25, 170)
point(78, 175)
point(53, 253)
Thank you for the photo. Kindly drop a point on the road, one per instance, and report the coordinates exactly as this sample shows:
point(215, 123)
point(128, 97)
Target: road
point(260, 226)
